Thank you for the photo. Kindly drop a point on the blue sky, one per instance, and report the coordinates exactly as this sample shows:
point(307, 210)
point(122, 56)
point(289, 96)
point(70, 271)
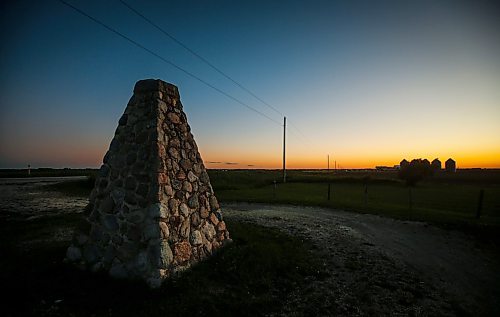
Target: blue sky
point(368, 82)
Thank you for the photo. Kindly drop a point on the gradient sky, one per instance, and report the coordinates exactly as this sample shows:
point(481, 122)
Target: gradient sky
point(368, 82)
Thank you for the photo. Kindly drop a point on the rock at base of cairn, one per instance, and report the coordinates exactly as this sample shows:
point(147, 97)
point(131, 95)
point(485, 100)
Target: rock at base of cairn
point(152, 211)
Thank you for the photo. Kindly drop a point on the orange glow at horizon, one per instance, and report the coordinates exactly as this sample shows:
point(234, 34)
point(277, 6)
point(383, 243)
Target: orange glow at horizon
point(217, 156)
point(74, 156)
point(463, 160)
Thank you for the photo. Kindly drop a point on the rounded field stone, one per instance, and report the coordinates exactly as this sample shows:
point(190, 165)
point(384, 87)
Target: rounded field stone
point(184, 210)
point(166, 254)
point(218, 214)
point(195, 219)
point(173, 117)
point(173, 205)
point(107, 205)
point(191, 177)
point(214, 219)
point(182, 251)
point(186, 186)
point(209, 231)
point(181, 175)
point(73, 254)
point(118, 196)
point(110, 222)
point(168, 190)
point(195, 237)
point(193, 202)
point(214, 204)
point(185, 228)
point(221, 226)
point(164, 230)
point(204, 212)
point(180, 194)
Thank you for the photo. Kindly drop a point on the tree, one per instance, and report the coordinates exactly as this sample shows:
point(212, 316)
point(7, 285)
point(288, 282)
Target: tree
point(414, 172)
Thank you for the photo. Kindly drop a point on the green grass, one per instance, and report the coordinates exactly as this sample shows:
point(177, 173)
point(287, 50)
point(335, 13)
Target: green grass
point(250, 277)
point(442, 203)
point(447, 199)
point(445, 196)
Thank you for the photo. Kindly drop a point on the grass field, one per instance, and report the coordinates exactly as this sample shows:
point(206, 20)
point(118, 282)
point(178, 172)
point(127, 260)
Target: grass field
point(46, 172)
point(431, 202)
point(449, 200)
point(445, 199)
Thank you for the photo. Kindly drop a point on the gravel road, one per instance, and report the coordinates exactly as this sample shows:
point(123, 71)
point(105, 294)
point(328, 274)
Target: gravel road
point(393, 267)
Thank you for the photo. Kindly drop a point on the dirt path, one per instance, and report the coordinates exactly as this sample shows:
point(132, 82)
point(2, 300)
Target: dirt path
point(460, 278)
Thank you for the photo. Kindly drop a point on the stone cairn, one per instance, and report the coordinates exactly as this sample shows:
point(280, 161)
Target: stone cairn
point(152, 212)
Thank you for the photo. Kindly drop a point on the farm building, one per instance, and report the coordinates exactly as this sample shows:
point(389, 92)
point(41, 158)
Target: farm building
point(450, 165)
point(436, 164)
point(404, 163)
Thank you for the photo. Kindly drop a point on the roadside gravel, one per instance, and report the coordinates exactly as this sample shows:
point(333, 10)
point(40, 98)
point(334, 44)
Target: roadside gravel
point(380, 266)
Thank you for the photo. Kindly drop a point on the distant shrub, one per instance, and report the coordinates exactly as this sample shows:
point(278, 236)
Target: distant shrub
point(415, 171)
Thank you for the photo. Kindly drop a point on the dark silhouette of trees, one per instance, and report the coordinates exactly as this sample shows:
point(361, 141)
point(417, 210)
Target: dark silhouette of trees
point(415, 171)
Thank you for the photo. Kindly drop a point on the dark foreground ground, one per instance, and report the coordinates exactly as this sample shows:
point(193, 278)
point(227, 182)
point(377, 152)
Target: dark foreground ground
point(285, 261)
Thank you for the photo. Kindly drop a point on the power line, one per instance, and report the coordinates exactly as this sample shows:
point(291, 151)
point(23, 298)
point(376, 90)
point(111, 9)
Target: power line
point(186, 71)
point(199, 56)
point(298, 130)
point(166, 60)
point(194, 53)
point(308, 143)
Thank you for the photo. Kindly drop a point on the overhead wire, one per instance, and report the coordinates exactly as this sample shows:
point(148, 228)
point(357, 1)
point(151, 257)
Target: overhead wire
point(218, 70)
point(211, 65)
point(192, 75)
point(167, 61)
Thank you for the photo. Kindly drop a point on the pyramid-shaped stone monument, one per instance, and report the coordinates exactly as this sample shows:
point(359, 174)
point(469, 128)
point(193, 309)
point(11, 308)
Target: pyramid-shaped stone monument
point(152, 212)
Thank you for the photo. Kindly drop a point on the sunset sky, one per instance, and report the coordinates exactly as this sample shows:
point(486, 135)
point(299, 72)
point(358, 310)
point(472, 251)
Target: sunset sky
point(367, 82)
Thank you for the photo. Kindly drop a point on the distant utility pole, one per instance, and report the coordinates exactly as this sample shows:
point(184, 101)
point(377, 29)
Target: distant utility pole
point(284, 149)
point(329, 184)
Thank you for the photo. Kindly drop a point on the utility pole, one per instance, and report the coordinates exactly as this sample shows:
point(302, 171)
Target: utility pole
point(329, 184)
point(284, 149)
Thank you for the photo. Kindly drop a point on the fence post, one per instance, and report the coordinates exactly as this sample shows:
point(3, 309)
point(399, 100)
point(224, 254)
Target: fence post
point(366, 194)
point(274, 189)
point(410, 202)
point(329, 188)
point(480, 203)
